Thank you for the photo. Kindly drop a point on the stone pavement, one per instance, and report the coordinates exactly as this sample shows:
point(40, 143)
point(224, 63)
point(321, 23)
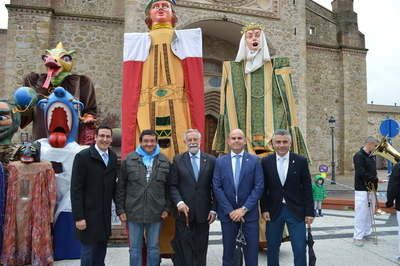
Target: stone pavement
point(333, 244)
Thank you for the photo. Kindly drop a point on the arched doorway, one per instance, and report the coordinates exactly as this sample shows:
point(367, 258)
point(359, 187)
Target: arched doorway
point(220, 41)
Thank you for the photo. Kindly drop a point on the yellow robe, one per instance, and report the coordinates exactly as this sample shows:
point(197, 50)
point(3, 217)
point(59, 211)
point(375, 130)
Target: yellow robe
point(163, 104)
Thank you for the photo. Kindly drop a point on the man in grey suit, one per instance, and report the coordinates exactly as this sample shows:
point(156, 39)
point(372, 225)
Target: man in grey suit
point(191, 192)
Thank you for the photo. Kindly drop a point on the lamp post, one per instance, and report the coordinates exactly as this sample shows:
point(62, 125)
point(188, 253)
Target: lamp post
point(332, 124)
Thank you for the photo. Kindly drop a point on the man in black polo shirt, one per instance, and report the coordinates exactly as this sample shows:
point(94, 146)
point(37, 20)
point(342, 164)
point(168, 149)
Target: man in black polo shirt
point(365, 180)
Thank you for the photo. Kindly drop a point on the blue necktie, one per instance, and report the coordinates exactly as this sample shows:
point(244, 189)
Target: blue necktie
point(195, 167)
point(105, 158)
point(237, 171)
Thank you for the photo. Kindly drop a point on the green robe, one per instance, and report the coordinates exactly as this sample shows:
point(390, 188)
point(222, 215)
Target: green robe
point(258, 103)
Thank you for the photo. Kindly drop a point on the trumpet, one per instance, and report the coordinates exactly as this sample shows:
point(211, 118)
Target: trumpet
point(385, 150)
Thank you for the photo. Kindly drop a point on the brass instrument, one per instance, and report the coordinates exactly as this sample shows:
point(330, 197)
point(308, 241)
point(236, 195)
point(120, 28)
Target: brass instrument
point(387, 151)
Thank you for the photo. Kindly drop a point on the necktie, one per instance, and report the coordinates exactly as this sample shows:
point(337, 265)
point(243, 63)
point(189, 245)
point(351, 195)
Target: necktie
point(105, 158)
point(237, 171)
point(281, 170)
point(195, 167)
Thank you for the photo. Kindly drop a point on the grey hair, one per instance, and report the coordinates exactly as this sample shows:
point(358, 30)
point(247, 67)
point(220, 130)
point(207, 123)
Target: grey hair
point(371, 139)
point(191, 130)
point(282, 132)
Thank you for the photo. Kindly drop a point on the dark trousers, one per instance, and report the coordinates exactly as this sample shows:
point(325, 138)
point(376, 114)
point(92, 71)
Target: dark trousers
point(93, 254)
point(196, 251)
point(297, 233)
point(229, 233)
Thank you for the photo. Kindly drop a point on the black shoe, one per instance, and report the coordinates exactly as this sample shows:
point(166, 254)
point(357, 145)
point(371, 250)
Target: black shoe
point(320, 213)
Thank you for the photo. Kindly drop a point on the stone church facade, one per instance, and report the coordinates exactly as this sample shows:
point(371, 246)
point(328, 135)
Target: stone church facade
point(326, 50)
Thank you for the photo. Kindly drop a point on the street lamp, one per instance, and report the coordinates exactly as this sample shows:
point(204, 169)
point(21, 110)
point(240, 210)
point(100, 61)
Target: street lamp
point(332, 124)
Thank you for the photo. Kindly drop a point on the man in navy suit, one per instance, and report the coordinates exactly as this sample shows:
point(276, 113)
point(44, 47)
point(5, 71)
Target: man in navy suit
point(287, 199)
point(238, 185)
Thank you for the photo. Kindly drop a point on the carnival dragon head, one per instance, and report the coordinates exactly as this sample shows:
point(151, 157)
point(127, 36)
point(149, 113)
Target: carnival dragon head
point(61, 111)
point(9, 122)
point(57, 61)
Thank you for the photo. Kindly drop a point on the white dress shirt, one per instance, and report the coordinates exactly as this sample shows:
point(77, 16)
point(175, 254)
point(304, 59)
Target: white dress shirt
point(285, 167)
point(101, 152)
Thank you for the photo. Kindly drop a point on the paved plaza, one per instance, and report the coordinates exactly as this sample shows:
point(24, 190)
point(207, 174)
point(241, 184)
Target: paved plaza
point(333, 244)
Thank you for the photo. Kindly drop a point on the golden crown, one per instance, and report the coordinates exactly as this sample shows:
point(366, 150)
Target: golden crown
point(252, 26)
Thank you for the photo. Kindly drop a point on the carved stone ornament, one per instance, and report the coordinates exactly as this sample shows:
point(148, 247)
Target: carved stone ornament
point(262, 8)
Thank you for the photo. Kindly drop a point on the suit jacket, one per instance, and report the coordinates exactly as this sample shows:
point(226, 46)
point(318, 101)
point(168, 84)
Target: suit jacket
point(251, 186)
point(393, 189)
point(183, 186)
point(297, 189)
point(92, 190)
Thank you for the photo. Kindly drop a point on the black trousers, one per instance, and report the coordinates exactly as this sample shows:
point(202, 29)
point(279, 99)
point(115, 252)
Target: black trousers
point(192, 243)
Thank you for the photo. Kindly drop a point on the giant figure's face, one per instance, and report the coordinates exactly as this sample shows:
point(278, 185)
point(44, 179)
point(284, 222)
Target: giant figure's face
point(253, 39)
point(161, 12)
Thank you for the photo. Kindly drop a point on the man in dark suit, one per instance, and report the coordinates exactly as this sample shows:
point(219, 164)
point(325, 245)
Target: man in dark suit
point(238, 185)
point(93, 185)
point(191, 192)
point(287, 199)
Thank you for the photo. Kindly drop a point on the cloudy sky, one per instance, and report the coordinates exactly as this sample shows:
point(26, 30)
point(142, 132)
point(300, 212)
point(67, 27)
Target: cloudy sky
point(379, 21)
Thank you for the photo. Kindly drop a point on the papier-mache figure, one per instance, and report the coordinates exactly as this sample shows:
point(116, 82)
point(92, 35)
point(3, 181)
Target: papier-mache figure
point(61, 116)
point(9, 124)
point(59, 63)
point(162, 81)
point(257, 97)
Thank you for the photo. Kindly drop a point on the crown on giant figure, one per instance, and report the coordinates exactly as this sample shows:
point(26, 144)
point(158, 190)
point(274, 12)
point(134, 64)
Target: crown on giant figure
point(252, 26)
point(150, 2)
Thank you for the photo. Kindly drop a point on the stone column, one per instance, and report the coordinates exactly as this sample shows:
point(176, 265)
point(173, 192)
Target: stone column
point(353, 59)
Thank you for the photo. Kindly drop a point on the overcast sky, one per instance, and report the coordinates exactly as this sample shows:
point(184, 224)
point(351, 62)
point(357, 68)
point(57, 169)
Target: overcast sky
point(379, 21)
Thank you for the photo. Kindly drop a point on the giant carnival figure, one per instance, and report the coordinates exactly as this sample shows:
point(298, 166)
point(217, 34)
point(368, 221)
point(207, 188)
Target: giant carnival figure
point(61, 114)
point(162, 81)
point(58, 63)
point(163, 87)
point(9, 124)
point(257, 97)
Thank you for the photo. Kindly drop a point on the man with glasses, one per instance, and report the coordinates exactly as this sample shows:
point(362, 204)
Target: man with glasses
point(93, 183)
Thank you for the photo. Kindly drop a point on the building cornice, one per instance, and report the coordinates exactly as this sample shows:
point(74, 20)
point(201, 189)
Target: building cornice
point(336, 48)
point(64, 15)
point(378, 108)
point(242, 10)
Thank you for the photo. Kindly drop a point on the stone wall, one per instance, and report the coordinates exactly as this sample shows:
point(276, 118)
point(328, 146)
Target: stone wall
point(97, 41)
point(378, 113)
point(3, 47)
point(324, 99)
point(98, 46)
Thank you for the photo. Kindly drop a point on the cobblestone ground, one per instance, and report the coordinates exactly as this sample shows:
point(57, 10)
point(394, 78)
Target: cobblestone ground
point(333, 244)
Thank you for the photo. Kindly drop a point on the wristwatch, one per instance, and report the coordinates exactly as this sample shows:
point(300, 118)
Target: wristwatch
point(244, 209)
